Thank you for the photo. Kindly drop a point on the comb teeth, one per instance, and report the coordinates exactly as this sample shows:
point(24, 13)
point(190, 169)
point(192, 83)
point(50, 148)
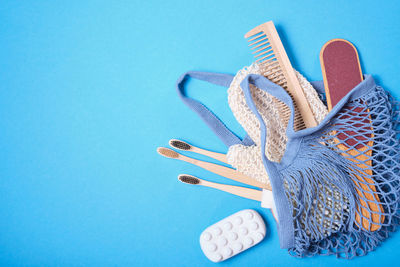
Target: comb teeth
point(263, 39)
point(271, 56)
point(265, 46)
point(263, 49)
point(256, 36)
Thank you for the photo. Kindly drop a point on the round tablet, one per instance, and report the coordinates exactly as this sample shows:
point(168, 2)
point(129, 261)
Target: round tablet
point(233, 235)
point(227, 252)
point(217, 231)
point(258, 236)
point(254, 226)
point(228, 226)
point(243, 231)
point(207, 236)
point(212, 247)
point(238, 246)
point(249, 215)
point(222, 241)
point(248, 241)
point(217, 257)
point(238, 220)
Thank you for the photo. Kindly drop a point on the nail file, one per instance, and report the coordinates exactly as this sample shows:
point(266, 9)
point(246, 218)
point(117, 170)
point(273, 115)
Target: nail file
point(342, 72)
point(232, 235)
point(341, 69)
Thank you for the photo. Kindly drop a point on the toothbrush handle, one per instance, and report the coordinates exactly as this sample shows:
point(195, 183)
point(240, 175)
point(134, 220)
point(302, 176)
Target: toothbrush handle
point(236, 190)
point(215, 155)
point(226, 172)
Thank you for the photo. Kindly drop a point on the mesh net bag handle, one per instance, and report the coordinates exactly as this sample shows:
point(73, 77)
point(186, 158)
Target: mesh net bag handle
point(213, 122)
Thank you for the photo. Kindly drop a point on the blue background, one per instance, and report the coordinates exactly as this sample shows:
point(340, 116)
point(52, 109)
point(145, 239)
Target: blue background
point(87, 95)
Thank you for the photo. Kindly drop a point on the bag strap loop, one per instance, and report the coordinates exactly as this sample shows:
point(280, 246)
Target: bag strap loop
point(216, 125)
point(285, 226)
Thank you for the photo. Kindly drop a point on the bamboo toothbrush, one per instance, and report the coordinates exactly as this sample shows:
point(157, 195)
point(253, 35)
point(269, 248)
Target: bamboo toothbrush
point(270, 53)
point(264, 196)
point(342, 72)
point(236, 190)
point(181, 145)
point(215, 168)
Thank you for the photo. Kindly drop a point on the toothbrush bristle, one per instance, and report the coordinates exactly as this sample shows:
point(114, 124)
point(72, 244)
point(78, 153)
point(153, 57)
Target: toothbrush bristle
point(188, 179)
point(180, 144)
point(166, 152)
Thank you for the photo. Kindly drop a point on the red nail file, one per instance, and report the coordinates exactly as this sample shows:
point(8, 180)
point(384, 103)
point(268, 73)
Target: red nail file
point(342, 72)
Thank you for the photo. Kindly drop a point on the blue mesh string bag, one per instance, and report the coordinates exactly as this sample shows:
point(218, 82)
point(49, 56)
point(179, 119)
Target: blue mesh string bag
point(336, 188)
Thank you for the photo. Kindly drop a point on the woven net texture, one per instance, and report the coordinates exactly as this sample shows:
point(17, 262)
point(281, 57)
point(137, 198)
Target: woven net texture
point(343, 188)
point(247, 159)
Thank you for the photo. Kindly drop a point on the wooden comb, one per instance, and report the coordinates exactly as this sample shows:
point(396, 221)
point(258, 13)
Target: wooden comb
point(269, 52)
point(342, 72)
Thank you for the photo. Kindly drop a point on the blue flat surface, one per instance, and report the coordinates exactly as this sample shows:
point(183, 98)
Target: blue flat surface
point(87, 95)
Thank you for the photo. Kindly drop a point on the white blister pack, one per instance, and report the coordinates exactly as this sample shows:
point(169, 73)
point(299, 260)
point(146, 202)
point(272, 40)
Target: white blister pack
point(232, 235)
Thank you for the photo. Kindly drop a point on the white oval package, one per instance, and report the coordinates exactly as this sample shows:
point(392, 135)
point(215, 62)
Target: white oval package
point(232, 235)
